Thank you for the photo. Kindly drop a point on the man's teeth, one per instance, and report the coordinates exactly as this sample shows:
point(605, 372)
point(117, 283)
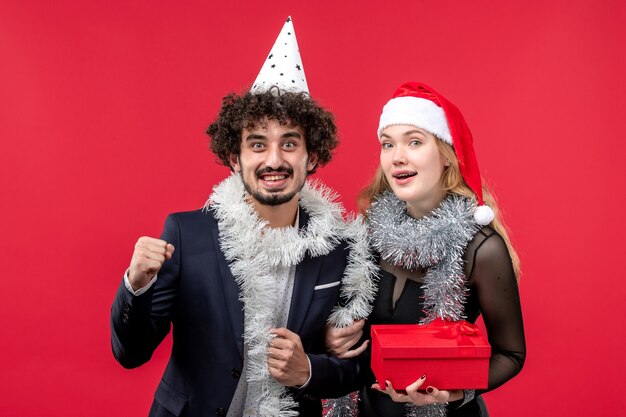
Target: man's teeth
point(274, 177)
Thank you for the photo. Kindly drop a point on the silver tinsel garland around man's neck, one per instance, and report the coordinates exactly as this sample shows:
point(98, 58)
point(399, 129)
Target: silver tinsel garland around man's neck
point(252, 248)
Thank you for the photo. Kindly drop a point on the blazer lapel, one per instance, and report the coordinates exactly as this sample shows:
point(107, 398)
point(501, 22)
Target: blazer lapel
point(307, 273)
point(234, 306)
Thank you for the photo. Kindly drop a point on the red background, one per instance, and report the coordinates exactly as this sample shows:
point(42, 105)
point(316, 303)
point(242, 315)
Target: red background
point(102, 111)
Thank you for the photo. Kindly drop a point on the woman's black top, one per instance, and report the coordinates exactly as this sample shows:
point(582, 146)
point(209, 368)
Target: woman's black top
point(492, 291)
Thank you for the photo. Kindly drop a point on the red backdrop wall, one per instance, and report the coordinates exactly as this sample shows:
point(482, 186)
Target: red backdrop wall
point(102, 111)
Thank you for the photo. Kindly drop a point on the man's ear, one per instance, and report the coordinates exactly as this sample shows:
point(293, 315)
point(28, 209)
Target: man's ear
point(234, 162)
point(313, 158)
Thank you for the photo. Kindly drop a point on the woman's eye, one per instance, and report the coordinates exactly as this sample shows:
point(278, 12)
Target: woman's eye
point(387, 145)
point(415, 142)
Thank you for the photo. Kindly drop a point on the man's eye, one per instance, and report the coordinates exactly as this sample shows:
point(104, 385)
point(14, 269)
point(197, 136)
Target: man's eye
point(257, 145)
point(289, 145)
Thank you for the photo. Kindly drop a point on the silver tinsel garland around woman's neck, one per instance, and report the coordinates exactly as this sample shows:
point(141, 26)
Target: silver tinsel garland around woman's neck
point(436, 242)
point(252, 248)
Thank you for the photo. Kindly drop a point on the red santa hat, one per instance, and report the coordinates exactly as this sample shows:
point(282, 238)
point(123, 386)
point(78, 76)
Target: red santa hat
point(416, 104)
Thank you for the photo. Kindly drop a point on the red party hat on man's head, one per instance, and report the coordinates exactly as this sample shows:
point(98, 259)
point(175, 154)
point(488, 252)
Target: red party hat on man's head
point(416, 104)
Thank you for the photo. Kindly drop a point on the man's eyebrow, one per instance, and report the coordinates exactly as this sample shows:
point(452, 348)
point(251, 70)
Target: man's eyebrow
point(255, 136)
point(292, 134)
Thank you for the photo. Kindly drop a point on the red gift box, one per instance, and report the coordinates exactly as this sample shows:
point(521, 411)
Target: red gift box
point(452, 354)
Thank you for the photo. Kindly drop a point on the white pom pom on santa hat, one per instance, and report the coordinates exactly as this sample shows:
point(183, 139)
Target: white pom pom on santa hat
point(483, 215)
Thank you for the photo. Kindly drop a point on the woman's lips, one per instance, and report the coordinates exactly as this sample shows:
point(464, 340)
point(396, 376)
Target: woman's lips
point(403, 177)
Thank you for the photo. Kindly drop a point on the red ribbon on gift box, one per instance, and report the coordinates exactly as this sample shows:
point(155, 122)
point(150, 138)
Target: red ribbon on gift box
point(459, 330)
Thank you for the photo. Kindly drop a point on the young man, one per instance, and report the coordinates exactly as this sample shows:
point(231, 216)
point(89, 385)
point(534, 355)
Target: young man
point(249, 281)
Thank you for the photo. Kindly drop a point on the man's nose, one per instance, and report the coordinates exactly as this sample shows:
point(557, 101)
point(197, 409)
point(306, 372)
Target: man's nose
point(274, 158)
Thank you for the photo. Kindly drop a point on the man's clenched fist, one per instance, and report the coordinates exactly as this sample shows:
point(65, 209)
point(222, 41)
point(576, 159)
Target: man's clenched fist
point(287, 362)
point(148, 257)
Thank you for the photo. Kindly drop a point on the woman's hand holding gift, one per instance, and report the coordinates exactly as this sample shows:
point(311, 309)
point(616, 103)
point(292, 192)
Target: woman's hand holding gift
point(413, 394)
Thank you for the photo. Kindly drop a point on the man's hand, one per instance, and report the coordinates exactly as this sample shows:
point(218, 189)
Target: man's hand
point(147, 260)
point(340, 340)
point(287, 362)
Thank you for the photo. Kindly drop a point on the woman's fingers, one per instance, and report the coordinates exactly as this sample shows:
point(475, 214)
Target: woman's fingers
point(416, 385)
point(413, 395)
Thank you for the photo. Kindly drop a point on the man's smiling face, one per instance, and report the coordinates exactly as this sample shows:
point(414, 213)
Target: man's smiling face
point(273, 162)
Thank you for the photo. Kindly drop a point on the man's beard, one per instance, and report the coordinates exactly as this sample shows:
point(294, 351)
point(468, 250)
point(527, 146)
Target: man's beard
point(271, 199)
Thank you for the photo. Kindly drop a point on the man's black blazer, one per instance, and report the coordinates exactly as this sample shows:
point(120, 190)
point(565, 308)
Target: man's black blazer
point(196, 292)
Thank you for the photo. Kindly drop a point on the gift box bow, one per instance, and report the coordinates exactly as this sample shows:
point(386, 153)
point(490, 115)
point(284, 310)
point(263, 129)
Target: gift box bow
point(460, 330)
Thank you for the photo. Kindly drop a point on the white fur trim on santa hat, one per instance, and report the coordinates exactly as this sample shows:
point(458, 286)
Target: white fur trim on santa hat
point(418, 112)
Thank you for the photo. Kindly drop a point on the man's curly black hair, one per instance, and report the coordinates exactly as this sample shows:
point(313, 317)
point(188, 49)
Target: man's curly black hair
point(246, 111)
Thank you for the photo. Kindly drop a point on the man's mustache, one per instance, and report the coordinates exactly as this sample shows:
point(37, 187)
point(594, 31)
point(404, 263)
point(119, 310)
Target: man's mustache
point(280, 170)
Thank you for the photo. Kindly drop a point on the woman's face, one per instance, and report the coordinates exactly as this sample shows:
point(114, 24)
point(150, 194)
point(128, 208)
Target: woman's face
point(413, 166)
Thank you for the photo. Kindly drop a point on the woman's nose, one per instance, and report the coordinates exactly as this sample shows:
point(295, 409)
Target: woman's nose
point(399, 155)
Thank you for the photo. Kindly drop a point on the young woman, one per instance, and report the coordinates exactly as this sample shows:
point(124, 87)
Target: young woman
point(443, 252)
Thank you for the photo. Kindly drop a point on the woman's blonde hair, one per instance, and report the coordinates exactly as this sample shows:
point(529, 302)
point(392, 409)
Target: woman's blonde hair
point(452, 182)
